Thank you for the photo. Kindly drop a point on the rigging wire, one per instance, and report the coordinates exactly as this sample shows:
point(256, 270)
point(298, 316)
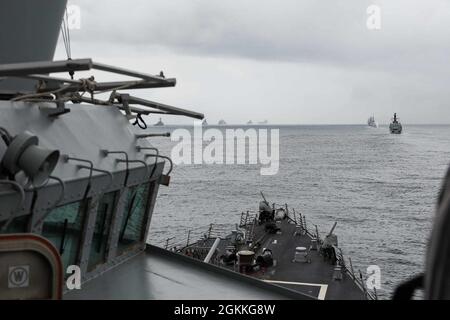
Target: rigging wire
point(87, 85)
point(68, 35)
point(65, 37)
point(65, 32)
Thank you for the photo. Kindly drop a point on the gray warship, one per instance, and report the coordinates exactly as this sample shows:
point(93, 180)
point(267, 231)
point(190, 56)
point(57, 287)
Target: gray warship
point(371, 122)
point(79, 180)
point(159, 123)
point(395, 126)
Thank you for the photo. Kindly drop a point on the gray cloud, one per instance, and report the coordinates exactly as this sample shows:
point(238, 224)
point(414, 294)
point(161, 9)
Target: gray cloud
point(315, 59)
point(288, 30)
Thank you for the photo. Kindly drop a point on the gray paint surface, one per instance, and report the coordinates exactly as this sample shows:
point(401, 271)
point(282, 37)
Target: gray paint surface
point(81, 133)
point(29, 32)
point(158, 275)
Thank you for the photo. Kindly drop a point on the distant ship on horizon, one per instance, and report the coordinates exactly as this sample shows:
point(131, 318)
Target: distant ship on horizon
point(395, 126)
point(250, 122)
point(204, 123)
point(222, 123)
point(372, 123)
point(159, 123)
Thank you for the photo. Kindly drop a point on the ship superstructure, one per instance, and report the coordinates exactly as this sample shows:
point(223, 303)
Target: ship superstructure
point(395, 126)
point(79, 178)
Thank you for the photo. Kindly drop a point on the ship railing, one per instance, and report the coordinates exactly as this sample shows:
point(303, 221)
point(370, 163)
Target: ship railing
point(251, 233)
point(170, 242)
point(296, 217)
point(299, 219)
point(247, 218)
point(248, 222)
point(197, 235)
point(357, 278)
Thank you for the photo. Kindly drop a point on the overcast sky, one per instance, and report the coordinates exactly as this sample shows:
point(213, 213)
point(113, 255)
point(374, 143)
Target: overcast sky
point(287, 61)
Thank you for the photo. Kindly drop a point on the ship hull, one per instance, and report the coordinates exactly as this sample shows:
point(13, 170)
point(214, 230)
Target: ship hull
point(395, 128)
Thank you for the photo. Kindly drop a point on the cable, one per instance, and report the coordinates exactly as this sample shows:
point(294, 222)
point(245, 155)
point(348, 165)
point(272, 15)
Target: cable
point(65, 31)
point(140, 122)
point(5, 135)
point(64, 35)
point(68, 36)
point(21, 192)
point(40, 94)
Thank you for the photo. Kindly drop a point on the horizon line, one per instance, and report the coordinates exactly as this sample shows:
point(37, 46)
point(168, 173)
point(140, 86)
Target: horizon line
point(299, 124)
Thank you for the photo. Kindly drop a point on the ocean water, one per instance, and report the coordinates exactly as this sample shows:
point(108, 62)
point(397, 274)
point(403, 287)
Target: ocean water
point(380, 188)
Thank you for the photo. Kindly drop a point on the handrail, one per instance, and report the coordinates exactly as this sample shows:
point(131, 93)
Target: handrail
point(60, 198)
point(196, 234)
point(91, 169)
point(127, 172)
point(109, 174)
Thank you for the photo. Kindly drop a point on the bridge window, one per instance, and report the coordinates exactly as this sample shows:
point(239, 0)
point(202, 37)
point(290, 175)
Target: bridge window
point(133, 220)
point(98, 252)
point(63, 227)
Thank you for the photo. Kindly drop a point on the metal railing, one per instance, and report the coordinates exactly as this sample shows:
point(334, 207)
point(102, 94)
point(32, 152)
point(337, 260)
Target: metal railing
point(247, 218)
point(248, 222)
point(358, 279)
point(299, 219)
point(196, 235)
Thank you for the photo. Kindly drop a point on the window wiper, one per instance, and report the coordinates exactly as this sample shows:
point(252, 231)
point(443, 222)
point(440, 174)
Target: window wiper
point(129, 213)
point(102, 229)
point(63, 237)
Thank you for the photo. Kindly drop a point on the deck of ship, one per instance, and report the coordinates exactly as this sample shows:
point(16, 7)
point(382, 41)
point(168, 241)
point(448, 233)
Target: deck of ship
point(314, 278)
point(160, 274)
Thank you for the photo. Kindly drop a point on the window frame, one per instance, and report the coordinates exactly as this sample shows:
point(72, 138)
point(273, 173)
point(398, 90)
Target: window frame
point(146, 206)
point(84, 206)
